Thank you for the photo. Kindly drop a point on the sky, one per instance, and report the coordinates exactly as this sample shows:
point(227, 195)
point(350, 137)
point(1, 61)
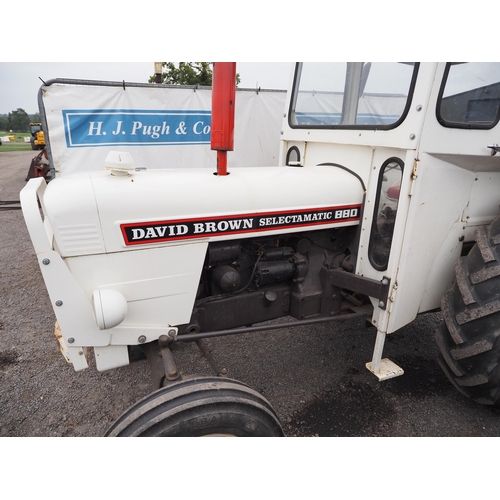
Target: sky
point(20, 81)
point(262, 31)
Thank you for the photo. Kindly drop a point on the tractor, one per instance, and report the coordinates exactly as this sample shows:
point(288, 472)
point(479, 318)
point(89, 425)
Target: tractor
point(37, 138)
point(384, 204)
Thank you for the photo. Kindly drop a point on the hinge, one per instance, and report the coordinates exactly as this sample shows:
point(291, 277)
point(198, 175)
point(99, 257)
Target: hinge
point(414, 174)
point(392, 296)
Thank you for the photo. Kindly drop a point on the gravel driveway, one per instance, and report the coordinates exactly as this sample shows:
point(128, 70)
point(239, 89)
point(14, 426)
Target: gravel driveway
point(314, 377)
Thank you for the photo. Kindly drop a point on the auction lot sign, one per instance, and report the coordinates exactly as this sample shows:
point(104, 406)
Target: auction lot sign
point(160, 126)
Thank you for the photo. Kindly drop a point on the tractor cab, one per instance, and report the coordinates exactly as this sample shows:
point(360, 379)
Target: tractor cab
point(422, 139)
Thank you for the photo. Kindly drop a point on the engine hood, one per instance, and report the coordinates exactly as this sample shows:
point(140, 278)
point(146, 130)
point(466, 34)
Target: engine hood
point(97, 212)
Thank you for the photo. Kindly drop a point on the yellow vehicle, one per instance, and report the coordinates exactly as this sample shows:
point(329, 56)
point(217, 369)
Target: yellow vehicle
point(37, 136)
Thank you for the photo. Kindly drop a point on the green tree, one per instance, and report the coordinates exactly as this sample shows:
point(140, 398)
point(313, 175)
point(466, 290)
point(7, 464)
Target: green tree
point(3, 123)
point(18, 121)
point(187, 73)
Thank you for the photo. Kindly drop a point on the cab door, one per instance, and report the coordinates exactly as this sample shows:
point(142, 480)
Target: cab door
point(454, 187)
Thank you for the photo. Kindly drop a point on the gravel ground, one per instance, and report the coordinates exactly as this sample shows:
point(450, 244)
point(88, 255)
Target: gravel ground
point(314, 377)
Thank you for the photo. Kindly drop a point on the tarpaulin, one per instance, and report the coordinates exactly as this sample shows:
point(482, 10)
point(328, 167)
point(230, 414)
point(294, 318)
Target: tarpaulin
point(161, 127)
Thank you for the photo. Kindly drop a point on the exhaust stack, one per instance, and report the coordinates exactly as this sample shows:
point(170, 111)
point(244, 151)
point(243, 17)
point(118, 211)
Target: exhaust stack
point(223, 106)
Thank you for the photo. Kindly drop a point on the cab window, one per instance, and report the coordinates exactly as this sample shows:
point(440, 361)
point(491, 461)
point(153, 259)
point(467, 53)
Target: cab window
point(470, 95)
point(384, 217)
point(373, 95)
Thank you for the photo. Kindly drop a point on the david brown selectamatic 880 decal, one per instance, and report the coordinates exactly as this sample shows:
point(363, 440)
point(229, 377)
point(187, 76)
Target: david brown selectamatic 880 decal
point(152, 232)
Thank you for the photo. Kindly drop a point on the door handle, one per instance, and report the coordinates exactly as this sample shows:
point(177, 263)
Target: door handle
point(495, 148)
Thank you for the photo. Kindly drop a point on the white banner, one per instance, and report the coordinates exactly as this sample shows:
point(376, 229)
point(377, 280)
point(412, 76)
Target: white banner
point(160, 127)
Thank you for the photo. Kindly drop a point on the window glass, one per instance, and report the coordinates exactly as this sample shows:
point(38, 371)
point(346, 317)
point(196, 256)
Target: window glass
point(470, 95)
point(356, 94)
point(384, 216)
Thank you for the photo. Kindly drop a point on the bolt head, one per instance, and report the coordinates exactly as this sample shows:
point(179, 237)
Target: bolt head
point(381, 304)
point(45, 262)
point(142, 339)
point(71, 340)
point(59, 303)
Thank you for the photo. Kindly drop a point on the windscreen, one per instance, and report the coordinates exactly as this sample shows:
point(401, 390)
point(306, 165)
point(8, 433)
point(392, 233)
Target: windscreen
point(352, 94)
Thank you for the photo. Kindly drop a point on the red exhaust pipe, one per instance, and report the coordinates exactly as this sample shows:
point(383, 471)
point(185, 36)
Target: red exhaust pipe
point(223, 106)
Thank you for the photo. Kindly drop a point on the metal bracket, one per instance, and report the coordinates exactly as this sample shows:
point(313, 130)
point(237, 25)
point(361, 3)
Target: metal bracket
point(495, 148)
point(414, 175)
point(384, 369)
point(161, 361)
point(169, 366)
point(360, 284)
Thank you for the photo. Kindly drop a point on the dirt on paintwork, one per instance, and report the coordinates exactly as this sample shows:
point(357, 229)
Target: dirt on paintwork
point(314, 377)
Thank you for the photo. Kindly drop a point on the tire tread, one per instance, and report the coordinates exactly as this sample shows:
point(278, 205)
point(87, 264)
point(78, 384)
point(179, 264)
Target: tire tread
point(469, 337)
point(201, 401)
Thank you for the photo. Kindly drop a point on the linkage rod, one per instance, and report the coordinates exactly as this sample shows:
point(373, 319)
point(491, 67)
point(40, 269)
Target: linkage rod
point(189, 337)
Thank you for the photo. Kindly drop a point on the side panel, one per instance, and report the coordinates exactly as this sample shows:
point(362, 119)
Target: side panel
point(159, 284)
point(432, 239)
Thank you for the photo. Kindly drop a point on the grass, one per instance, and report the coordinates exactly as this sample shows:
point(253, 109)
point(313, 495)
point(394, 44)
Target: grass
point(17, 144)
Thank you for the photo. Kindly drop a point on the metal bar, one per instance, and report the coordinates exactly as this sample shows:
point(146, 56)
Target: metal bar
point(10, 205)
point(206, 353)
point(221, 162)
point(351, 92)
point(171, 372)
point(45, 128)
point(377, 351)
point(189, 337)
point(383, 368)
point(155, 362)
point(105, 83)
point(360, 284)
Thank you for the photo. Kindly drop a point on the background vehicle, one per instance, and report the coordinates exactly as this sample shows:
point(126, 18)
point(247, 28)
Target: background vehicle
point(37, 136)
point(39, 166)
point(385, 201)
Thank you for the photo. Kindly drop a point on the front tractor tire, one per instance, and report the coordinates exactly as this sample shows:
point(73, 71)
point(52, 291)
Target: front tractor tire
point(469, 338)
point(200, 406)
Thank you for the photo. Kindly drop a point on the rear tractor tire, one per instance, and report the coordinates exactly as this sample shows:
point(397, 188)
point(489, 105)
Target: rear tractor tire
point(200, 406)
point(469, 338)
